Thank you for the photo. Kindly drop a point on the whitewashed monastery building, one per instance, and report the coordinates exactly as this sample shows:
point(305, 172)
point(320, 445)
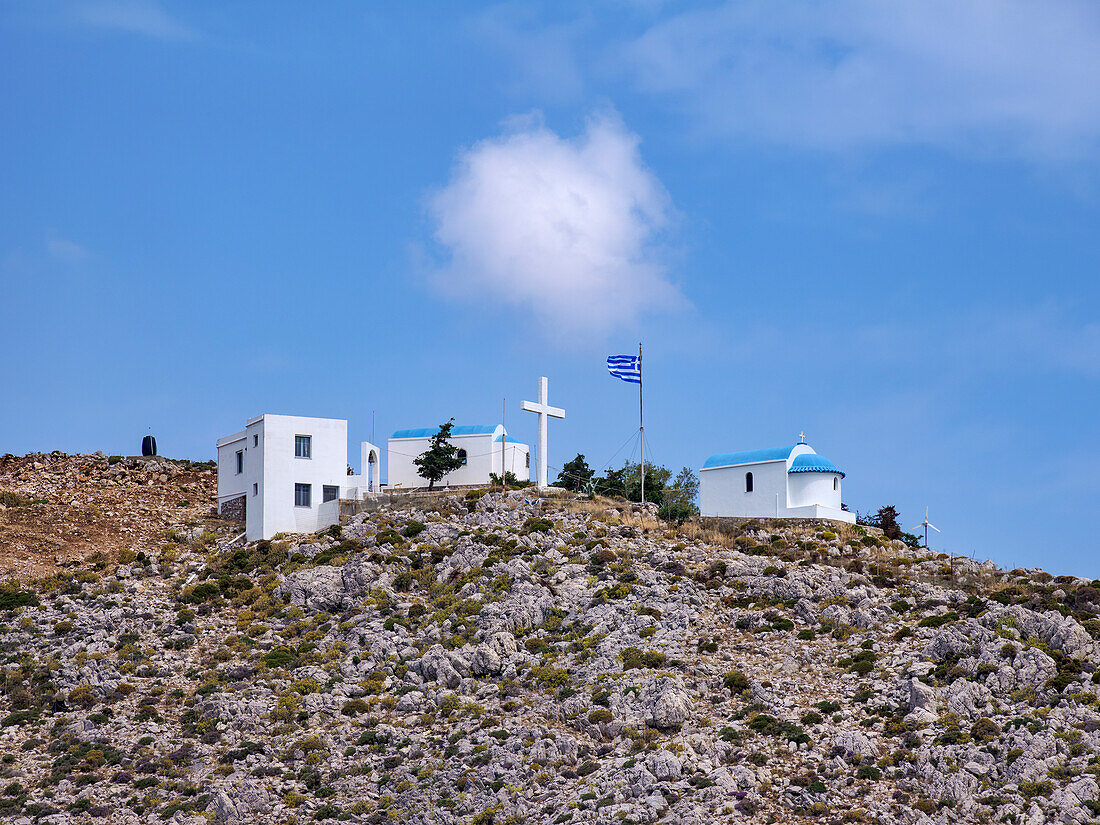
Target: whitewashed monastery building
point(482, 448)
point(778, 482)
point(287, 474)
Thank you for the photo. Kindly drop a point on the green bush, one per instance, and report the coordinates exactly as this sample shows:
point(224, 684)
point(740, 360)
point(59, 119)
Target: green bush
point(8, 498)
point(762, 723)
point(536, 524)
point(550, 677)
point(62, 627)
point(353, 707)
point(939, 620)
point(1030, 790)
point(634, 658)
point(736, 682)
point(200, 593)
point(862, 663)
point(413, 529)
point(600, 716)
point(869, 772)
point(279, 657)
point(388, 536)
point(985, 730)
point(587, 767)
point(11, 597)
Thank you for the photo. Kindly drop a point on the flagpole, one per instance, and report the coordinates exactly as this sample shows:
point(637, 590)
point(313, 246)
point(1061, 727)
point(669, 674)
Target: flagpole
point(641, 419)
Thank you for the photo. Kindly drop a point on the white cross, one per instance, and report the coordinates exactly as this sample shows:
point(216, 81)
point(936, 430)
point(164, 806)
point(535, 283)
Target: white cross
point(543, 409)
point(802, 437)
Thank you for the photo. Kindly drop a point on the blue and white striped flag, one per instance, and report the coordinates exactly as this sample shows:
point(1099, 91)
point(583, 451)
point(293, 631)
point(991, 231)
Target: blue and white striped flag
point(626, 367)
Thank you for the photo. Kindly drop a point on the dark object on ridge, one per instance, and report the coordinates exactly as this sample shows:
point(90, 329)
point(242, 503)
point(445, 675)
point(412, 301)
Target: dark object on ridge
point(148, 445)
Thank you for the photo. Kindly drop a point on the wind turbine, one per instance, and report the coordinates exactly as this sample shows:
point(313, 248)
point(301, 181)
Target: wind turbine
point(926, 524)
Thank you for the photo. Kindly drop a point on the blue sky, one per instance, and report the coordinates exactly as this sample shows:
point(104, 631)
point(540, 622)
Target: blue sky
point(872, 221)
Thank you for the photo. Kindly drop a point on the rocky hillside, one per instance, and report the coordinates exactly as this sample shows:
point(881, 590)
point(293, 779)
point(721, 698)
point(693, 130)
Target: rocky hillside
point(61, 511)
point(483, 659)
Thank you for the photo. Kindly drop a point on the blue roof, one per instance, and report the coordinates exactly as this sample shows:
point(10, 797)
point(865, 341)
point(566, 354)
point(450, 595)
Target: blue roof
point(507, 439)
point(463, 429)
point(813, 463)
point(749, 457)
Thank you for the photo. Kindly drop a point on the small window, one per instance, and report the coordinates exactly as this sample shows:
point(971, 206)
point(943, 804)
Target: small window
point(255, 488)
point(330, 492)
point(255, 441)
point(461, 456)
point(527, 461)
point(303, 446)
point(240, 461)
point(303, 495)
point(748, 482)
point(836, 483)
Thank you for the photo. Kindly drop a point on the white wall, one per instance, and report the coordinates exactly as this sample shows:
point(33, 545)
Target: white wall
point(722, 490)
point(814, 488)
point(516, 460)
point(230, 483)
point(282, 470)
point(818, 511)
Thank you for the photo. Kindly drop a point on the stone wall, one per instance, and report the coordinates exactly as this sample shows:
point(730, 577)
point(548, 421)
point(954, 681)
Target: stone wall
point(234, 508)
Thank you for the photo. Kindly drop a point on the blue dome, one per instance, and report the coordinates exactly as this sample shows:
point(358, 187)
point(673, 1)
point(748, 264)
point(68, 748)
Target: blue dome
point(813, 463)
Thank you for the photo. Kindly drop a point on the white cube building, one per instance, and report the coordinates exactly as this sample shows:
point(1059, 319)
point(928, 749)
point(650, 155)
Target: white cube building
point(287, 474)
point(482, 447)
point(778, 482)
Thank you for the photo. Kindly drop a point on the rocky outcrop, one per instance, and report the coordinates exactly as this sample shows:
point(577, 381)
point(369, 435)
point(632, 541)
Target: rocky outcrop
point(490, 659)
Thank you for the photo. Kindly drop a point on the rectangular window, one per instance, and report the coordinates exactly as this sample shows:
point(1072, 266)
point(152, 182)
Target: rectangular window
point(255, 489)
point(330, 492)
point(303, 495)
point(255, 441)
point(303, 446)
point(240, 461)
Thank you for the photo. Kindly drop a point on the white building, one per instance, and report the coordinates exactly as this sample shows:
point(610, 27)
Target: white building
point(287, 474)
point(479, 447)
point(780, 482)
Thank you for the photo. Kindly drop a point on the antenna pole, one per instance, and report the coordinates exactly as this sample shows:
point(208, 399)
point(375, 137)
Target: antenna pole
point(503, 439)
point(641, 419)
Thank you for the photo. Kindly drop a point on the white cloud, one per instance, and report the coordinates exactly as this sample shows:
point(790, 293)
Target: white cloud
point(1002, 77)
point(565, 229)
point(148, 19)
point(544, 54)
point(64, 250)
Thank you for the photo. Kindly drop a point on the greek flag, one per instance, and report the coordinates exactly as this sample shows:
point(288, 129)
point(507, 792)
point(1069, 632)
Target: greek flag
point(626, 367)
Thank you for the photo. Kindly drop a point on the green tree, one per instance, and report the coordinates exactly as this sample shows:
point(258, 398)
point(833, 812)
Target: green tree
point(679, 502)
point(575, 475)
point(886, 519)
point(626, 482)
point(440, 458)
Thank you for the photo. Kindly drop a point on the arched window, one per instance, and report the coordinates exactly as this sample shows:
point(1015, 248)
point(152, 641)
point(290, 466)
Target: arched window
point(462, 456)
point(836, 483)
point(748, 482)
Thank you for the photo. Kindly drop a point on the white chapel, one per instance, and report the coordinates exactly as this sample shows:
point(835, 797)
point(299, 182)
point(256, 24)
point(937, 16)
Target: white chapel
point(482, 448)
point(775, 482)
